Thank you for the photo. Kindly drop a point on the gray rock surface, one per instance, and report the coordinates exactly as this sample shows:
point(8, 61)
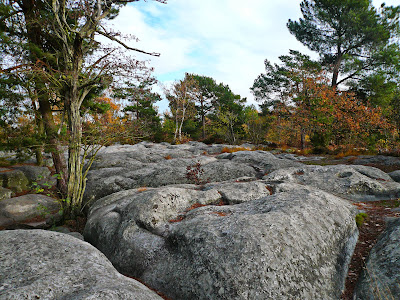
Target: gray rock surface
point(269, 247)
point(351, 182)
point(19, 209)
point(264, 161)
point(381, 278)
point(238, 192)
point(5, 193)
point(105, 181)
point(377, 159)
point(35, 173)
point(39, 264)
point(395, 175)
point(14, 180)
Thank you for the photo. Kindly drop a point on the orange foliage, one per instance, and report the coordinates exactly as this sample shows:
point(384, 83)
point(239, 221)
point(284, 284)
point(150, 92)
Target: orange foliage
point(319, 108)
point(220, 213)
point(235, 149)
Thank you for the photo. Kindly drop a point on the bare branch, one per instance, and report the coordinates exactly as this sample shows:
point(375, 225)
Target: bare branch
point(107, 35)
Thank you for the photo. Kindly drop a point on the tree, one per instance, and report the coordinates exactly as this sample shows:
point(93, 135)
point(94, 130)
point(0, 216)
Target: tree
point(351, 36)
point(182, 98)
point(65, 58)
point(255, 125)
point(283, 85)
point(208, 95)
point(298, 95)
point(140, 107)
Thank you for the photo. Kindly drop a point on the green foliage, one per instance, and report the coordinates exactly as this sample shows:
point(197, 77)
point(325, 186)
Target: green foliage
point(282, 83)
point(360, 219)
point(351, 36)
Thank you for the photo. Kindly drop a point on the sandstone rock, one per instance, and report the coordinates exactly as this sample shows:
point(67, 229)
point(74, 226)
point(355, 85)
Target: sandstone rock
point(238, 192)
point(39, 264)
point(377, 159)
point(263, 160)
point(275, 247)
point(351, 182)
point(35, 173)
point(106, 181)
point(5, 193)
point(395, 175)
point(14, 180)
point(19, 209)
point(381, 278)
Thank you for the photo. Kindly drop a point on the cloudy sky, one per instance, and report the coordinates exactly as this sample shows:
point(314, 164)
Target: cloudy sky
point(224, 39)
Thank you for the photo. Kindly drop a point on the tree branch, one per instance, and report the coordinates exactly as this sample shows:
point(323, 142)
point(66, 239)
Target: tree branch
point(107, 35)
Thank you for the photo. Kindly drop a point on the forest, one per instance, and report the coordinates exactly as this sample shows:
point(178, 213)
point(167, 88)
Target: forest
point(60, 88)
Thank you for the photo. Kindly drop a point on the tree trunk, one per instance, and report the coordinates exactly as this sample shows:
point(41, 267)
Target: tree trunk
point(74, 160)
point(180, 126)
point(302, 139)
point(53, 144)
point(203, 118)
point(336, 67)
point(40, 132)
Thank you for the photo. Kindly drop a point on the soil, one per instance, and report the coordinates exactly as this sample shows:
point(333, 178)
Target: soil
point(369, 232)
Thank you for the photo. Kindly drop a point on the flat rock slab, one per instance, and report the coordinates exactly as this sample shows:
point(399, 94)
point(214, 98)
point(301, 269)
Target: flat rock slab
point(381, 278)
point(263, 161)
point(20, 209)
point(358, 183)
point(105, 181)
point(377, 159)
point(269, 247)
point(39, 264)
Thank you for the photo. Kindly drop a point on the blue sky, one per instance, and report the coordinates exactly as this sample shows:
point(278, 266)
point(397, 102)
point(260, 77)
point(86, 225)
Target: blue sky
point(224, 39)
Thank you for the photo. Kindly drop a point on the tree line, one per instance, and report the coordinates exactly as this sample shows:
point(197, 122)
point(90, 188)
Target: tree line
point(60, 87)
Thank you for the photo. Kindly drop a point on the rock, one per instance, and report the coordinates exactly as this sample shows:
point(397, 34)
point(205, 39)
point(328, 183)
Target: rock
point(264, 161)
point(395, 175)
point(357, 183)
point(39, 264)
point(35, 173)
point(296, 157)
point(377, 159)
point(23, 208)
point(274, 247)
point(106, 181)
point(14, 180)
point(381, 278)
point(149, 214)
point(5, 193)
point(238, 192)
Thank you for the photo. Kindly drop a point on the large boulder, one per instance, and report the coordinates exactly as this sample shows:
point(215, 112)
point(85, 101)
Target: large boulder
point(26, 207)
point(238, 192)
point(381, 277)
point(395, 175)
point(14, 180)
point(358, 183)
point(36, 173)
point(106, 181)
point(39, 264)
point(268, 247)
point(5, 193)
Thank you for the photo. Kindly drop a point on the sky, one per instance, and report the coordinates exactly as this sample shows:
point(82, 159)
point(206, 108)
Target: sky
point(227, 40)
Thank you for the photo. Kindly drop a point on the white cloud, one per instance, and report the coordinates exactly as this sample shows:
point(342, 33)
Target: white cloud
point(225, 39)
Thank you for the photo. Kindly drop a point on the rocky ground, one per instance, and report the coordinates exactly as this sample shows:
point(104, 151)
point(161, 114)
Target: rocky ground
point(195, 221)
